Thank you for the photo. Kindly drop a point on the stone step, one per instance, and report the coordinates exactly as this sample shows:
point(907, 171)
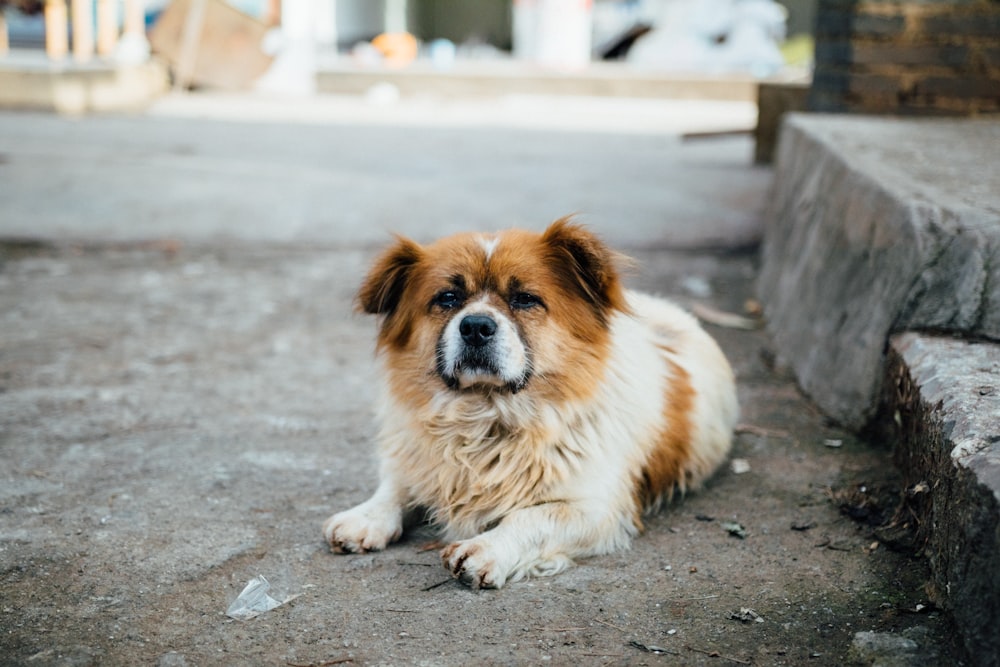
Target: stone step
point(877, 226)
point(879, 231)
point(941, 408)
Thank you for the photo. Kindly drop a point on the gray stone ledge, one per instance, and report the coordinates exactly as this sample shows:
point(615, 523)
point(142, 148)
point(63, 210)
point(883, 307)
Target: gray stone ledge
point(875, 226)
point(941, 400)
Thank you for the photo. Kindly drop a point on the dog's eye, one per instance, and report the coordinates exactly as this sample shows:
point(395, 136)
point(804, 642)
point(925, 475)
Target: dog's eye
point(524, 300)
point(448, 299)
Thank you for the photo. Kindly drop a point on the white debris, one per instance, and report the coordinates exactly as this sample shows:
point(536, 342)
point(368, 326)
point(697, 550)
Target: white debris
point(254, 600)
point(714, 36)
point(697, 286)
point(746, 615)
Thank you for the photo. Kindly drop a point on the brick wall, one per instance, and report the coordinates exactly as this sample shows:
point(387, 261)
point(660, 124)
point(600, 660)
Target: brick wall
point(907, 57)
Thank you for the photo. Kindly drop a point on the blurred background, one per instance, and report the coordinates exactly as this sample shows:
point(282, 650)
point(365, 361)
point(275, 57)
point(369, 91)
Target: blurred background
point(283, 45)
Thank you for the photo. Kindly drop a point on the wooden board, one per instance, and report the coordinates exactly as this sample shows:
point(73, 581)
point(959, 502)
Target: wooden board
point(210, 44)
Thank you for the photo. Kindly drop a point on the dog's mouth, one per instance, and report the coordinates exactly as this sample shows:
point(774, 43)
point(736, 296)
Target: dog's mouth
point(481, 350)
point(476, 371)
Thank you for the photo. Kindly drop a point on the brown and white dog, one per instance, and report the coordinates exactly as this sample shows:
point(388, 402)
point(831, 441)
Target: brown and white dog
point(533, 405)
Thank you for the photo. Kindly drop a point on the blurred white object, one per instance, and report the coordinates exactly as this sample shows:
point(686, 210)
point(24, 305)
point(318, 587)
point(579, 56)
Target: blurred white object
point(366, 55)
point(383, 94)
point(442, 54)
point(753, 40)
point(697, 286)
point(714, 36)
point(305, 24)
point(133, 47)
point(274, 41)
point(739, 466)
point(553, 33)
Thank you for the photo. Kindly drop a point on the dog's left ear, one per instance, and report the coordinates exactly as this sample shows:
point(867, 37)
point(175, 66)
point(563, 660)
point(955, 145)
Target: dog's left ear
point(382, 289)
point(586, 264)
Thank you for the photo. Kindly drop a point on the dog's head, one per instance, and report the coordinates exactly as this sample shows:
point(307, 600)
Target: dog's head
point(488, 313)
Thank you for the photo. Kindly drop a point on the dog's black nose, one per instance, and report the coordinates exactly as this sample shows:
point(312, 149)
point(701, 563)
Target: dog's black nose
point(477, 330)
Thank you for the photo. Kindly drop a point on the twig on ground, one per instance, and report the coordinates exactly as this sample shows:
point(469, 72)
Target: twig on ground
point(610, 625)
point(720, 318)
point(651, 649)
point(440, 583)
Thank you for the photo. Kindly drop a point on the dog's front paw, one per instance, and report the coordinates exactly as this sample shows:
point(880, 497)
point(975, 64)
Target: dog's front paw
point(475, 563)
point(363, 528)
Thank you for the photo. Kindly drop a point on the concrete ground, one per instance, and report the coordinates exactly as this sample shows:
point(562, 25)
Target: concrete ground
point(185, 395)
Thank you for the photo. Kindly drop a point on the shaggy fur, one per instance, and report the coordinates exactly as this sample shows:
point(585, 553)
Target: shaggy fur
point(533, 405)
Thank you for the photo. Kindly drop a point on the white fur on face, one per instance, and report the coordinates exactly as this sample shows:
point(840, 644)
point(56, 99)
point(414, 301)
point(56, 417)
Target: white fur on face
point(502, 362)
point(489, 245)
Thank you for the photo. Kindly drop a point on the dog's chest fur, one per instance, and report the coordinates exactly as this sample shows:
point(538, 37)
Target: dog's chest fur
point(474, 459)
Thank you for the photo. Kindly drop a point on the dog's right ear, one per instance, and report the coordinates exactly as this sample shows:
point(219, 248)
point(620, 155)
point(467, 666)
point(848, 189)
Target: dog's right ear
point(586, 266)
point(383, 288)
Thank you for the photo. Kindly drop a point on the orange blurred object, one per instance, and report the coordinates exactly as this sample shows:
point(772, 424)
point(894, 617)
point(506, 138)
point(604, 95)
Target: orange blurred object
point(398, 48)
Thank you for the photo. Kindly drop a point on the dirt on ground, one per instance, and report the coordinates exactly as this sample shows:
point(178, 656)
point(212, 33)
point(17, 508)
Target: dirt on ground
point(177, 419)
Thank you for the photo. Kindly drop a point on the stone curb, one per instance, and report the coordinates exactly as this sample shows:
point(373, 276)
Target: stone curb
point(877, 225)
point(941, 406)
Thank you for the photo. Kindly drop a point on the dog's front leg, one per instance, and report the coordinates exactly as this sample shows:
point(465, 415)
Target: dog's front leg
point(373, 524)
point(541, 540)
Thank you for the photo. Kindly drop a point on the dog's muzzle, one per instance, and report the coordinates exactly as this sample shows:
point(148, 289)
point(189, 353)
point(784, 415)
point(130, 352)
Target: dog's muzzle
point(482, 349)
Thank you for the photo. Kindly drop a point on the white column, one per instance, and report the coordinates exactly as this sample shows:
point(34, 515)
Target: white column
point(326, 24)
point(395, 16)
point(107, 26)
point(553, 33)
point(56, 29)
point(4, 40)
point(82, 17)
